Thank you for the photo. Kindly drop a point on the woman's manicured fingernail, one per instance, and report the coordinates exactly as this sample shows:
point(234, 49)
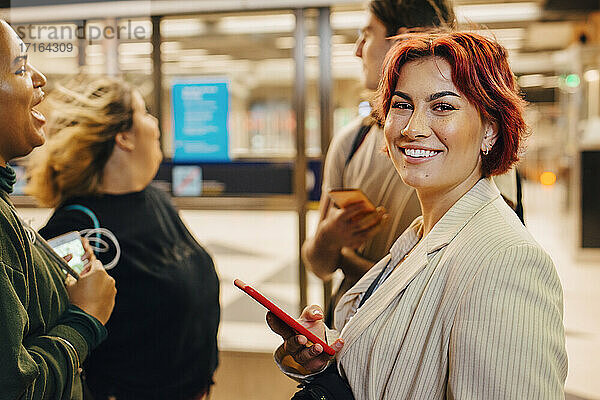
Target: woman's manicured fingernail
point(317, 312)
point(318, 348)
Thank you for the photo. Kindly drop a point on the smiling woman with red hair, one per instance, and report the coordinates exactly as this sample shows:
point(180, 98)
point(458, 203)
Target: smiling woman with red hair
point(493, 91)
point(466, 305)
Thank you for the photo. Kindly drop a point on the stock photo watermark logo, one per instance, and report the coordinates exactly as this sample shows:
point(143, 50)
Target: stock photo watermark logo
point(55, 38)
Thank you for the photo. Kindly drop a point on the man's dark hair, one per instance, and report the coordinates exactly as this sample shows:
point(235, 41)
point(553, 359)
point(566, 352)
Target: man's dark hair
point(396, 14)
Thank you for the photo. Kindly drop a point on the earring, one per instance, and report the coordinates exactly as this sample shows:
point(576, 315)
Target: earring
point(487, 150)
point(488, 146)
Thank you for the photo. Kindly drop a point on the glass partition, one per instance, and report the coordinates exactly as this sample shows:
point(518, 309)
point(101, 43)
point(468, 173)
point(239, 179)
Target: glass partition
point(248, 52)
point(348, 91)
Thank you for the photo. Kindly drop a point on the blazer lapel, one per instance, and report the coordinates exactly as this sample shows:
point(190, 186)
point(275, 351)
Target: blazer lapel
point(455, 219)
point(447, 228)
point(389, 289)
point(345, 307)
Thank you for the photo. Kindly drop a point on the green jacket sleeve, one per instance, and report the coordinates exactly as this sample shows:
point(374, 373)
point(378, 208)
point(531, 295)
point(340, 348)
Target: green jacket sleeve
point(42, 341)
point(39, 366)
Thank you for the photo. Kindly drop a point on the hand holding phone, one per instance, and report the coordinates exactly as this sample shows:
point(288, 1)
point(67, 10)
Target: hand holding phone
point(70, 244)
point(284, 317)
point(94, 292)
point(296, 352)
point(354, 221)
point(345, 197)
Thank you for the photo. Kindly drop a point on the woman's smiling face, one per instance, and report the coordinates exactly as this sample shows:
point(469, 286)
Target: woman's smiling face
point(433, 133)
point(21, 126)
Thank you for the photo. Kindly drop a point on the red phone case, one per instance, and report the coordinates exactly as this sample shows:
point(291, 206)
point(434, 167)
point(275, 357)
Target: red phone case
point(282, 315)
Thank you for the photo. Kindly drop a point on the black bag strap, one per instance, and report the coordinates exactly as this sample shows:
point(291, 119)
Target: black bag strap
point(361, 134)
point(373, 285)
point(359, 138)
point(328, 385)
point(519, 206)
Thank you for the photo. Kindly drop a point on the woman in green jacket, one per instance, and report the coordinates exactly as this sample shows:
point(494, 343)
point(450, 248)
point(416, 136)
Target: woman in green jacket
point(48, 324)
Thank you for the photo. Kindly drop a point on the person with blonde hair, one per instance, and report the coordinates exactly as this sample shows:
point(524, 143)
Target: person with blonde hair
point(102, 153)
point(49, 323)
point(84, 121)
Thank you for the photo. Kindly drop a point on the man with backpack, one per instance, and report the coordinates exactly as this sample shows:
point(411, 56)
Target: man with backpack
point(353, 239)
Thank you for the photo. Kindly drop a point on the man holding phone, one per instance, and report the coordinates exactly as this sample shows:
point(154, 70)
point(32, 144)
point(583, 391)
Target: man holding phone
point(352, 238)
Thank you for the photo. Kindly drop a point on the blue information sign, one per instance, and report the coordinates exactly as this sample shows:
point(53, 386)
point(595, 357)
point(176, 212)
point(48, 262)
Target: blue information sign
point(200, 114)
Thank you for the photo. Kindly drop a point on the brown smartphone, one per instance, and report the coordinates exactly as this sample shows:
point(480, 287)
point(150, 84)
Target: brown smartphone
point(344, 197)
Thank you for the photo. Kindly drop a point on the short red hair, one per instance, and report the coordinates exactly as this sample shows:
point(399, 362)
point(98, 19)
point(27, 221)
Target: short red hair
point(480, 71)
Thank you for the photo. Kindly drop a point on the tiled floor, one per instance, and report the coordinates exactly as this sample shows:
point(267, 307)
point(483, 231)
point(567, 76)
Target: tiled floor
point(261, 249)
point(554, 227)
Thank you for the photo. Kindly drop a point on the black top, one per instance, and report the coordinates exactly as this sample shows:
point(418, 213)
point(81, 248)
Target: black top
point(162, 341)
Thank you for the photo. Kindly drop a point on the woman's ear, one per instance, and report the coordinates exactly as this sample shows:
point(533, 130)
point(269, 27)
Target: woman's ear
point(124, 141)
point(489, 137)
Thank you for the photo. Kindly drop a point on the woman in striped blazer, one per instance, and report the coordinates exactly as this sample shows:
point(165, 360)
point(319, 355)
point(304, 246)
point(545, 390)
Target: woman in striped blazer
point(466, 305)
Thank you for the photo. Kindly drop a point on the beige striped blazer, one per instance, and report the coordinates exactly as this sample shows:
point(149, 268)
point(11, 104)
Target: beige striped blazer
point(473, 312)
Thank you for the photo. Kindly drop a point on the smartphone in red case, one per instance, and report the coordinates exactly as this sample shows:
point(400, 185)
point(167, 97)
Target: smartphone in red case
point(282, 315)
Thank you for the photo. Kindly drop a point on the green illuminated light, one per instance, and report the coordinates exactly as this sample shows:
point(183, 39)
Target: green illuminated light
point(572, 80)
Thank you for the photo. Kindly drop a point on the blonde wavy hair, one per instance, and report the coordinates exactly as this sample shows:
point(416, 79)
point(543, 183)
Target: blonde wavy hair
point(85, 116)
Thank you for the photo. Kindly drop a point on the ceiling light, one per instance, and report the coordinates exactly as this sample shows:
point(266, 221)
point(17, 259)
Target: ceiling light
point(288, 42)
point(138, 29)
point(341, 20)
point(257, 24)
point(144, 48)
point(285, 42)
point(69, 12)
point(170, 47)
point(136, 67)
point(134, 60)
point(592, 75)
point(94, 50)
point(499, 12)
point(204, 58)
point(346, 49)
point(178, 55)
point(510, 39)
point(182, 27)
point(502, 34)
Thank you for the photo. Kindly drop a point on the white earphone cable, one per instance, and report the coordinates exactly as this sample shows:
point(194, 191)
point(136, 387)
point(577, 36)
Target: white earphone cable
point(99, 245)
